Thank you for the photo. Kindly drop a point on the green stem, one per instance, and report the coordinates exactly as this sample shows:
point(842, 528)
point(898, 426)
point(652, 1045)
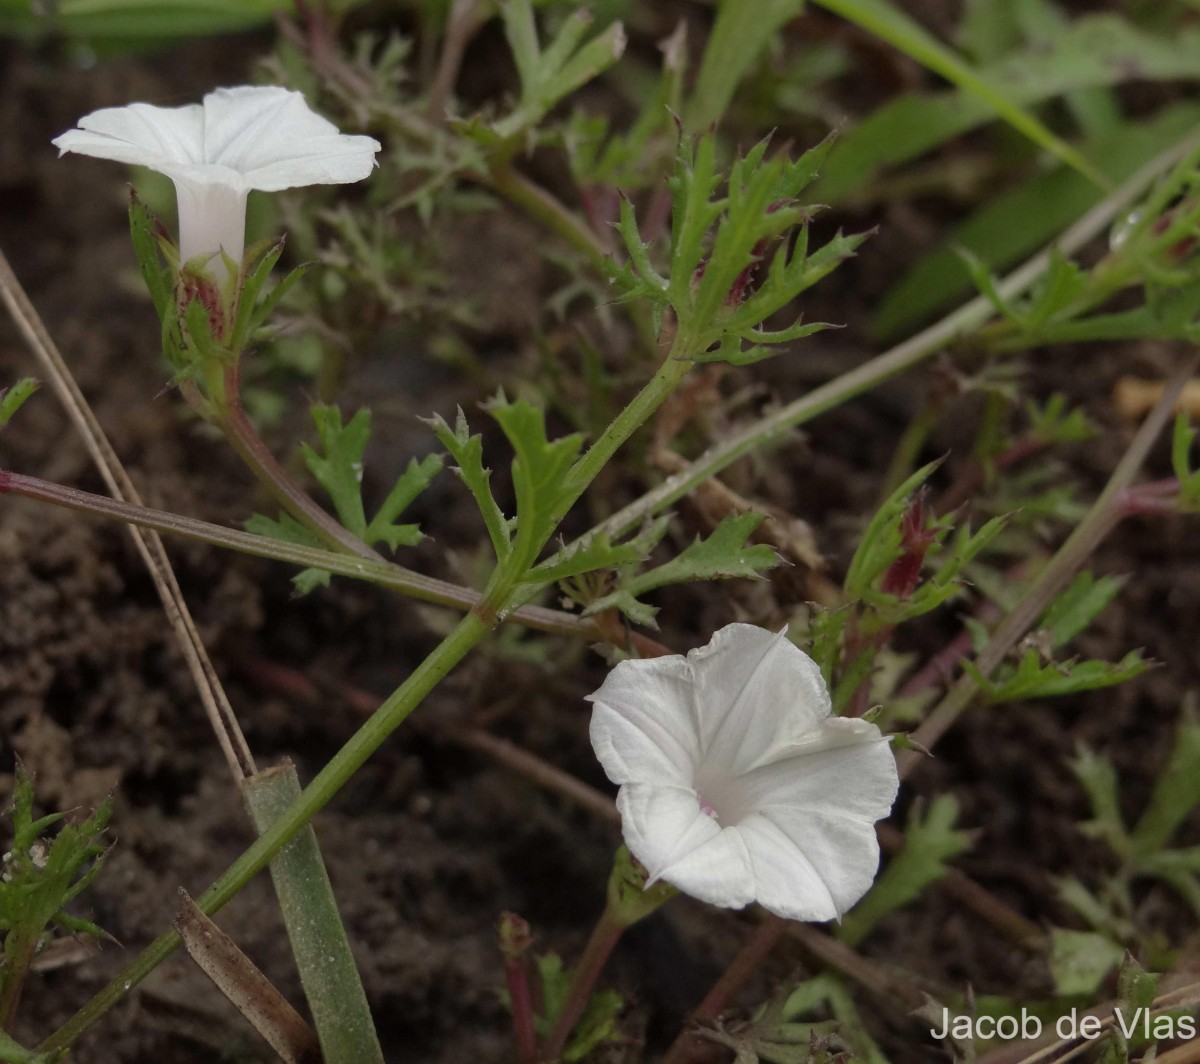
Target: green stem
point(384, 574)
point(466, 634)
point(504, 588)
point(20, 947)
point(1096, 524)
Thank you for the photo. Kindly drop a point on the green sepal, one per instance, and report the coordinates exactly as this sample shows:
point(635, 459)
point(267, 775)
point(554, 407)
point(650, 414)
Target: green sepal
point(630, 898)
point(148, 238)
point(880, 544)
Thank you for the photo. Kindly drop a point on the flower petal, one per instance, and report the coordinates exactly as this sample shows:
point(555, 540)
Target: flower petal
point(756, 694)
point(847, 768)
point(666, 830)
point(810, 865)
point(140, 134)
point(275, 141)
point(643, 725)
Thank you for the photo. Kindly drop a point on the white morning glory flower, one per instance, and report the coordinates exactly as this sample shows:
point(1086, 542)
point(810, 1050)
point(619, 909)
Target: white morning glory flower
point(215, 152)
point(736, 783)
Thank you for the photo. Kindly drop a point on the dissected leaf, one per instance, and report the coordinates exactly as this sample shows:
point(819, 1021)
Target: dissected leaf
point(1033, 678)
point(1176, 791)
point(724, 554)
point(1081, 960)
point(467, 452)
point(930, 840)
point(540, 470)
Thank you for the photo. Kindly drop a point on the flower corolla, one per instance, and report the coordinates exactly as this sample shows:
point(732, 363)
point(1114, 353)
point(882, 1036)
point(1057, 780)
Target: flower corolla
point(736, 784)
point(216, 152)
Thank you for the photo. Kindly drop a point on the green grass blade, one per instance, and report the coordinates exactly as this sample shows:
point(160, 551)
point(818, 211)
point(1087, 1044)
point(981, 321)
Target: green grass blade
point(890, 24)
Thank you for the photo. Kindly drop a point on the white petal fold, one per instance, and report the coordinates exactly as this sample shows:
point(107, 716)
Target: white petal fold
point(736, 783)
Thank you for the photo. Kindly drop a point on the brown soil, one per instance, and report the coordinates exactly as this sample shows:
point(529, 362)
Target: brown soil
point(430, 842)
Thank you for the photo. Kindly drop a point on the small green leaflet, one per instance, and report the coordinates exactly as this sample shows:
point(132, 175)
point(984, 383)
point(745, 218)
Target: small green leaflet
point(467, 452)
point(930, 840)
point(540, 470)
point(13, 398)
point(550, 74)
point(598, 1021)
point(1033, 678)
point(724, 554)
point(1080, 960)
point(338, 467)
point(288, 529)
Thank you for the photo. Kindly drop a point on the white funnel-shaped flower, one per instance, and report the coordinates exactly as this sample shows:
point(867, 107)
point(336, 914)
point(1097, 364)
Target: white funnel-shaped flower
point(215, 152)
point(736, 783)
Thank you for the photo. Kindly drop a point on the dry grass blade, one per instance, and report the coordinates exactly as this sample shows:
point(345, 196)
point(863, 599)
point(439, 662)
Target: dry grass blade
point(149, 545)
point(248, 990)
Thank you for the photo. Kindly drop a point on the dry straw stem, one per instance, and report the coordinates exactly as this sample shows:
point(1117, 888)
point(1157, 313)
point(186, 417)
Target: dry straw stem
point(208, 684)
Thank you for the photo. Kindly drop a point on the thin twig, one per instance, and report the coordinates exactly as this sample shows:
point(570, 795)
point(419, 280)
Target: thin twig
point(383, 574)
point(204, 676)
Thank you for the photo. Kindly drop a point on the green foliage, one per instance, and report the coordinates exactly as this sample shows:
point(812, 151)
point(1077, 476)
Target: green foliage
point(886, 20)
point(779, 1033)
point(1016, 222)
point(1135, 992)
point(891, 539)
point(930, 840)
point(551, 73)
point(599, 1020)
point(14, 397)
point(467, 452)
point(119, 23)
point(338, 467)
point(1081, 960)
point(40, 877)
point(734, 48)
point(724, 554)
point(1144, 850)
point(1034, 678)
point(732, 265)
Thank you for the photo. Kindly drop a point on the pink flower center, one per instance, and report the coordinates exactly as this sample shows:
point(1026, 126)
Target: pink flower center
point(705, 808)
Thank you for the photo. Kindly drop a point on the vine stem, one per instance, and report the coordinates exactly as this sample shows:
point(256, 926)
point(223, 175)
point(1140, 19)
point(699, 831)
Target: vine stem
point(748, 960)
point(384, 574)
point(504, 592)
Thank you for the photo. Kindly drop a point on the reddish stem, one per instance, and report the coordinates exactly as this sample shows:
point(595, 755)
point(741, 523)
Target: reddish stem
point(745, 964)
point(605, 936)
